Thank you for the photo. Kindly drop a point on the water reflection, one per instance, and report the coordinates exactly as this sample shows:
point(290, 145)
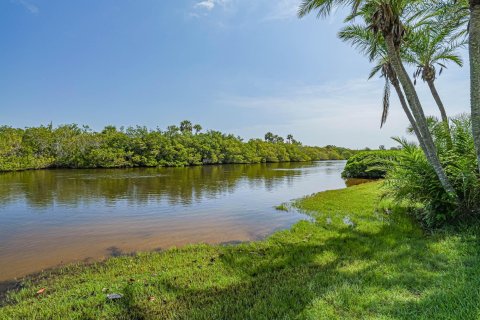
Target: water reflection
point(44, 188)
point(57, 216)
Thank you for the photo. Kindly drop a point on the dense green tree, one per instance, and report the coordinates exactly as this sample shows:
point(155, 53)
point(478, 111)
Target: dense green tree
point(71, 146)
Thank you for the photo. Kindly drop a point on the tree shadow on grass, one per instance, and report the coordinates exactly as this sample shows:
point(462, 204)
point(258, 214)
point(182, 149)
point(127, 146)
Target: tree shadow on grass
point(7, 286)
point(352, 275)
point(314, 272)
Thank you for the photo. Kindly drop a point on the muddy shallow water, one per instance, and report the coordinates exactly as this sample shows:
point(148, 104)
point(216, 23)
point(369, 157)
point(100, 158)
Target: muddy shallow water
point(53, 217)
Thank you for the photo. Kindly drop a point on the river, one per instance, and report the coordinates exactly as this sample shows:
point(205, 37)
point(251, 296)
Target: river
point(54, 217)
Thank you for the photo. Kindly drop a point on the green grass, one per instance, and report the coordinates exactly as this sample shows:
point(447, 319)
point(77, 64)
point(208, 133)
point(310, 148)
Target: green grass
point(384, 267)
point(283, 207)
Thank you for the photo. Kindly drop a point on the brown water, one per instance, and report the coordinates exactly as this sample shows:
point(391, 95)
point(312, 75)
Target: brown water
point(53, 217)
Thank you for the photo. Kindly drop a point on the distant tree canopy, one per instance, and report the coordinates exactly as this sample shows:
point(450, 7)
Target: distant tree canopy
point(72, 146)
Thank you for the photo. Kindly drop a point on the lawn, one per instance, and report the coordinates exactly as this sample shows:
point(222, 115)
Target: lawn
point(358, 260)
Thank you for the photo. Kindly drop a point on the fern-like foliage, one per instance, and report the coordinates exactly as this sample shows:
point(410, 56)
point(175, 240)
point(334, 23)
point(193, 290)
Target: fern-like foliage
point(411, 179)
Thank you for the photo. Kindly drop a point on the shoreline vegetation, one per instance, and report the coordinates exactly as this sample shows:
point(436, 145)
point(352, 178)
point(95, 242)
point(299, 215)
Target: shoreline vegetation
point(372, 164)
point(361, 257)
point(72, 146)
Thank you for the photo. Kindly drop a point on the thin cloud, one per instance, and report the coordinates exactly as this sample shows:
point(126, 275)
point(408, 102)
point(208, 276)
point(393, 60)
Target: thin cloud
point(206, 4)
point(30, 7)
point(267, 10)
point(343, 113)
point(205, 7)
point(209, 5)
point(307, 100)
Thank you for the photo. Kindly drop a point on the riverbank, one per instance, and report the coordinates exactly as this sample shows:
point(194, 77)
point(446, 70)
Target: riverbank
point(356, 261)
point(72, 146)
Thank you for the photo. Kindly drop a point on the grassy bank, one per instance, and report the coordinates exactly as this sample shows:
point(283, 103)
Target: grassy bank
point(382, 267)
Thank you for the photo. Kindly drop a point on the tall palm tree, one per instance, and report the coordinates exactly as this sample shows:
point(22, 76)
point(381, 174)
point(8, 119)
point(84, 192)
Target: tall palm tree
point(367, 43)
point(433, 47)
point(465, 14)
point(383, 18)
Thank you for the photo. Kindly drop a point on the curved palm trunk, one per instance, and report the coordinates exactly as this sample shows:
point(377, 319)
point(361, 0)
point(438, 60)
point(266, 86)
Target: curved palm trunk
point(474, 49)
point(439, 102)
point(410, 117)
point(414, 102)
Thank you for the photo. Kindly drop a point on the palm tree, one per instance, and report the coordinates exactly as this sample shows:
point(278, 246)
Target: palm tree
point(465, 15)
point(197, 128)
point(269, 137)
point(367, 43)
point(383, 18)
point(186, 126)
point(432, 47)
point(474, 50)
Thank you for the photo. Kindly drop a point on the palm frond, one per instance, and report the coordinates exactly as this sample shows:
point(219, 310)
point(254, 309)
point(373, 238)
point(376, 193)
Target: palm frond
point(386, 102)
point(364, 40)
point(325, 7)
point(375, 70)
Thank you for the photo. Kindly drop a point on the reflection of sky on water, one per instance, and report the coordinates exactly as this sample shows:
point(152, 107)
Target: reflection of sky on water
point(179, 186)
point(188, 202)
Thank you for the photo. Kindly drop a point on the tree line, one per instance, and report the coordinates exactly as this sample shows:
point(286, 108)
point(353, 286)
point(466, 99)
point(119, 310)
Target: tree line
point(73, 146)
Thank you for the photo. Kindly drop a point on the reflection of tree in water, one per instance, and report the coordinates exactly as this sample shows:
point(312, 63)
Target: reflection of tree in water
point(139, 186)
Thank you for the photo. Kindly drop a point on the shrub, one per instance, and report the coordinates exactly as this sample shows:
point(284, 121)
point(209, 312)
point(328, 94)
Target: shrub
point(413, 180)
point(369, 164)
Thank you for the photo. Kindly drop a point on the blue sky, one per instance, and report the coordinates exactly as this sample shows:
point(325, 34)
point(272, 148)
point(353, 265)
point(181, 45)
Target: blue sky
point(240, 66)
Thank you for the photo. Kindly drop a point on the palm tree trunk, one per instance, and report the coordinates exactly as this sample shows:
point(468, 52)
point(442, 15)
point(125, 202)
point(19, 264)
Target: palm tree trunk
point(474, 49)
point(414, 102)
point(410, 117)
point(439, 102)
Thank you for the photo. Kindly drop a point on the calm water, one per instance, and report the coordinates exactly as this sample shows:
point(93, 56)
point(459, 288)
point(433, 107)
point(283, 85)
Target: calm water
point(52, 217)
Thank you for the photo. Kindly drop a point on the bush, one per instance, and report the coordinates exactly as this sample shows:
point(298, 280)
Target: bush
point(414, 181)
point(370, 164)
